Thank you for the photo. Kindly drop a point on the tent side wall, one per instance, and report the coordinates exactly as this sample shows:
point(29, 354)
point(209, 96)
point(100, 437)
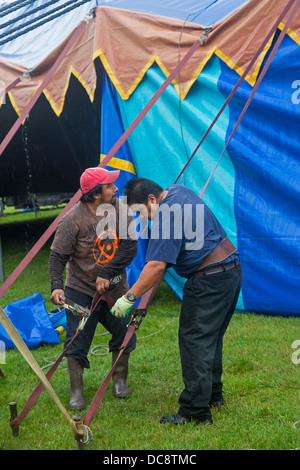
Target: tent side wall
point(254, 191)
point(266, 156)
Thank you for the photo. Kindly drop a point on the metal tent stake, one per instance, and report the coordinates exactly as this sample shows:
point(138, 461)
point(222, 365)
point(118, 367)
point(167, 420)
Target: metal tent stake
point(80, 444)
point(13, 415)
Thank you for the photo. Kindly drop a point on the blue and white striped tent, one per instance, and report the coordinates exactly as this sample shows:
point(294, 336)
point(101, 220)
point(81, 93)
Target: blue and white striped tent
point(255, 189)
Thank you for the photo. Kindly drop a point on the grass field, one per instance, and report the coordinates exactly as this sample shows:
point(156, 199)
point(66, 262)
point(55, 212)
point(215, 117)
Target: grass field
point(261, 381)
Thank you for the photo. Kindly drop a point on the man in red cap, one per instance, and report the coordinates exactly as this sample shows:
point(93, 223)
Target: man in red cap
point(89, 243)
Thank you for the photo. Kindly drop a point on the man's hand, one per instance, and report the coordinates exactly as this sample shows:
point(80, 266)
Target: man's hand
point(101, 285)
point(55, 296)
point(122, 307)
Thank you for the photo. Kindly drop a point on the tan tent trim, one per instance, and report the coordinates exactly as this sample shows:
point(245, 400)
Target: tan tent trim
point(78, 62)
point(128, 43)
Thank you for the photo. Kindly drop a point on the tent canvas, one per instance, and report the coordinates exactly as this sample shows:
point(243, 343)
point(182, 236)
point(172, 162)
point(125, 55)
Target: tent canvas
point(255, 190)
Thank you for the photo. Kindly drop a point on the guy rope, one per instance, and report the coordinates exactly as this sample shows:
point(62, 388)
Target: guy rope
point(78, 427)
point(81, 428)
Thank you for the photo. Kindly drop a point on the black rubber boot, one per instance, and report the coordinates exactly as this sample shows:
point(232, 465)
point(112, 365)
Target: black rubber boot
point(119, 377)
point(75, 370)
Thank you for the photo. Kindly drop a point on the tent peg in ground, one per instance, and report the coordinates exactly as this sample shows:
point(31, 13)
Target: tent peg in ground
point(13, 415)
point(81, 444)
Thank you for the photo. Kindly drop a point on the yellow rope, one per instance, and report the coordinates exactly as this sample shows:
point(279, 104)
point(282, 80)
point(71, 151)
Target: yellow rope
point(76, 427)
point(81, 430)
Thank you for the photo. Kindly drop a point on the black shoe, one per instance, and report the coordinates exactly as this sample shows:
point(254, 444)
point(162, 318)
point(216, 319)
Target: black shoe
point(178, 419)
point(216, 402)
point(175, 419)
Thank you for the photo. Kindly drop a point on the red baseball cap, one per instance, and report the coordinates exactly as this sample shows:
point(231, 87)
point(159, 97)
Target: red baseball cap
point(91, 177)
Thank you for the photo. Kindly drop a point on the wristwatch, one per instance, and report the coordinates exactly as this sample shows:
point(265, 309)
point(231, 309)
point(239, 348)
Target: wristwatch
point(131, 297)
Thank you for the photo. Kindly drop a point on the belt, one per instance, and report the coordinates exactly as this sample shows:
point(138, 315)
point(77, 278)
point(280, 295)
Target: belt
point(224, 249)
point(215, 269)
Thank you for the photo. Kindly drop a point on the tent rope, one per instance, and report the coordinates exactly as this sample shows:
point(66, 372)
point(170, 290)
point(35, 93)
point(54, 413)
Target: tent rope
point(27, 13)
point(35, 249)
point(6, 10)
point(73, 201)
point(259, 80)
point(242, 77)
point(146, 299)
point(30, 359)
point(274, 50)
point(40, 23)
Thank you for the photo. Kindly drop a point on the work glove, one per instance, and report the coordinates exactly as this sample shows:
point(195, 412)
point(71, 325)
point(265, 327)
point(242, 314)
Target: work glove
point(122, 307)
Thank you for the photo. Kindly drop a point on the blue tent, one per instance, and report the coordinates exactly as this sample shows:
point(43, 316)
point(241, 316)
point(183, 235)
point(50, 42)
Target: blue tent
point(255, 189)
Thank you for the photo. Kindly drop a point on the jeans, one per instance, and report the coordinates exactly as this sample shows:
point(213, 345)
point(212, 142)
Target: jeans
point(116, 326)
point(207, 307)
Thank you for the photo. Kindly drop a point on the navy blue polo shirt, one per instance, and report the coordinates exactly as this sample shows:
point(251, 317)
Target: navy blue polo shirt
point(184, 231)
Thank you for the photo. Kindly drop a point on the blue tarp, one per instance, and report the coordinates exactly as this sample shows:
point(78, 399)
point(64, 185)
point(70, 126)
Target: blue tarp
point(265, 154)
point(58, 318)
point(30, 318)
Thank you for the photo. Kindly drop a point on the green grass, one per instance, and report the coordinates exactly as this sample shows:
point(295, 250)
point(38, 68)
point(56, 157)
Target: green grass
point(12, 216)
point(261, 382)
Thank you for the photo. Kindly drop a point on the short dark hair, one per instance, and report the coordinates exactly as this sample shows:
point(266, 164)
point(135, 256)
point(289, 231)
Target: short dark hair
point(138, 189)
point(89, 197)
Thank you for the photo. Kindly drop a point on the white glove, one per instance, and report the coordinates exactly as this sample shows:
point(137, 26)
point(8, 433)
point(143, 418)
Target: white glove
point(122, 307)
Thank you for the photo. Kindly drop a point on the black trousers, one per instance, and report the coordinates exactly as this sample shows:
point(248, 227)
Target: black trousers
point(207, 307)
point(116, 326)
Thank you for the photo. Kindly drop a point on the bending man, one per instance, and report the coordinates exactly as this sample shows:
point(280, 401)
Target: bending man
point(186, 235)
